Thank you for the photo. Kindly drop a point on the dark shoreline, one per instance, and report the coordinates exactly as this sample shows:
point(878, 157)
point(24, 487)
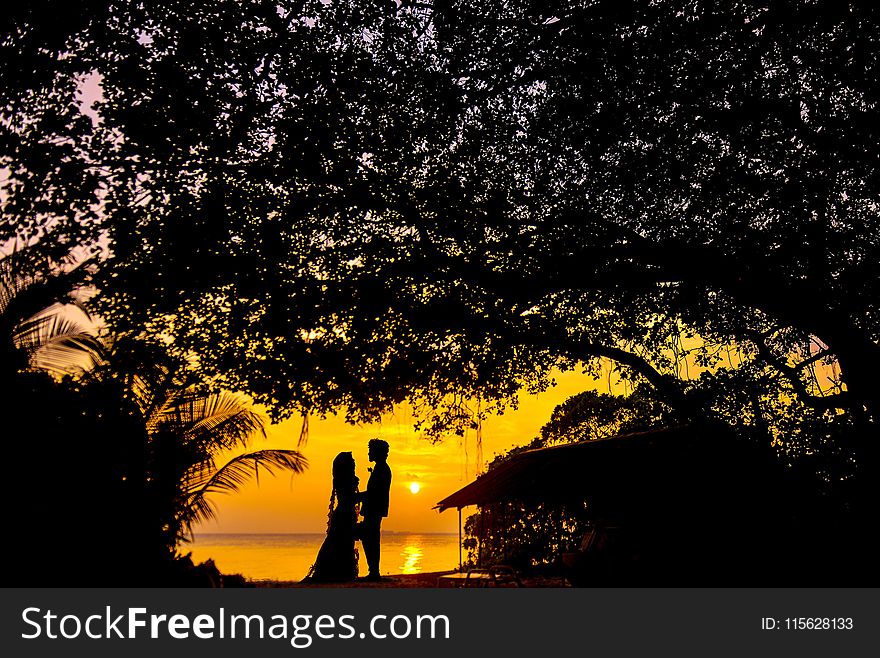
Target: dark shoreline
point(404, 581)
point(427, 580)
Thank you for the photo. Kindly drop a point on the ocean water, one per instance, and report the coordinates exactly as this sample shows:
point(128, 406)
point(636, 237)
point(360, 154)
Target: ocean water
point(289, 556)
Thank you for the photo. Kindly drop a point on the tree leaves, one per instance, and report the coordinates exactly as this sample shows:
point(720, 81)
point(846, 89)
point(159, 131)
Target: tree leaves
point(199, 483)
point(347, 206)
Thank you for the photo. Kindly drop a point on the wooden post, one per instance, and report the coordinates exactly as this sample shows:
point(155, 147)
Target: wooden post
point(480, 540)
point(460, 561)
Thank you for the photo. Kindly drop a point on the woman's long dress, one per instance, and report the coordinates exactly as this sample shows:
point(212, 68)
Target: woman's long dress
point(337, 559)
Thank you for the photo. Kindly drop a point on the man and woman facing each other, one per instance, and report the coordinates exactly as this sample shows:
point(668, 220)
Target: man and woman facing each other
point(337, 559)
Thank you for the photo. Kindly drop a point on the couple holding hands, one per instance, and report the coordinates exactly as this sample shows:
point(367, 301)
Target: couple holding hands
point(337, 559)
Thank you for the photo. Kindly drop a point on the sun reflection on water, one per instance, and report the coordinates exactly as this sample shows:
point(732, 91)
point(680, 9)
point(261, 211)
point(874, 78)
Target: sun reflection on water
point(289, 556)
point(412, 559)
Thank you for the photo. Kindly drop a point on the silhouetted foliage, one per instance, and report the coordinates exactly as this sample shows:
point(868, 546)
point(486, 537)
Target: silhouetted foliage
point(533, 535)
point(346, 205)
point(126, 447)
point(168, 444)
point(370, 200)
point(53, 168)
point(725, 511)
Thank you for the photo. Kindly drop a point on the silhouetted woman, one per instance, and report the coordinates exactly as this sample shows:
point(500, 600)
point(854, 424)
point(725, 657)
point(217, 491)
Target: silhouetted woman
point(337, 560)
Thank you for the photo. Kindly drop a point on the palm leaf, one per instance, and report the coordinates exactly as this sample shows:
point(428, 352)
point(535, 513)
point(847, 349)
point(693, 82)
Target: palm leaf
point(199, 508)
point(14, 280)
point(228, 479)
point(37, 318)
point(150, 379)
point(239, 470)
point(57, 342)
point(28, 286)
point(154, 389)
point(214, 422)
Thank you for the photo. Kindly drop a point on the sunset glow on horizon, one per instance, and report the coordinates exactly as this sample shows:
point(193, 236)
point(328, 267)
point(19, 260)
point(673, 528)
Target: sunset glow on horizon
point(299, 504)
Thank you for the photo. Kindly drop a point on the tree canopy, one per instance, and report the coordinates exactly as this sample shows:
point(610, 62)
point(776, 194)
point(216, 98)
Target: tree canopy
point(352, 204)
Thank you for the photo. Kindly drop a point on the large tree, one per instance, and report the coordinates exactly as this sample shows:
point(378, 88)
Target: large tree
point(52, 173)
point(713, 160)
point(349, 204)
point(434, 191)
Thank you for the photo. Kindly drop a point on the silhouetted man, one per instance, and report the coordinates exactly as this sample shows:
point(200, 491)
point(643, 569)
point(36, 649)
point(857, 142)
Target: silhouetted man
point(374, 504)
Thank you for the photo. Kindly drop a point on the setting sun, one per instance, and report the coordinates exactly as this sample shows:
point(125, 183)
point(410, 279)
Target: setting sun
point(414, 487)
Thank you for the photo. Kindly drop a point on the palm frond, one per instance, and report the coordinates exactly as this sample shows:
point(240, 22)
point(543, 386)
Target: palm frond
point(216, 421)
point(56, 341)
point(154, 388)
point(198, 474)
point(239, 470)
point(148, 373)
point(28, 285)
point(199, 508)
point(13, 280)
point(230, 477)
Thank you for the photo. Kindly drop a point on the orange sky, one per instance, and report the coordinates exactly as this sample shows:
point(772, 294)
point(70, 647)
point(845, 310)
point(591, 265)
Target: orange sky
point(299, 503)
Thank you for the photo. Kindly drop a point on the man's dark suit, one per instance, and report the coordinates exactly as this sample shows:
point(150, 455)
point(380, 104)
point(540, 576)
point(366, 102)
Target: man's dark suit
point(373, 509)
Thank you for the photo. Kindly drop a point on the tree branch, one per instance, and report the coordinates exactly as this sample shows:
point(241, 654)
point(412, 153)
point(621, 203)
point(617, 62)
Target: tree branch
point(792, 374)
point(666, 385)
point(818, 356)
